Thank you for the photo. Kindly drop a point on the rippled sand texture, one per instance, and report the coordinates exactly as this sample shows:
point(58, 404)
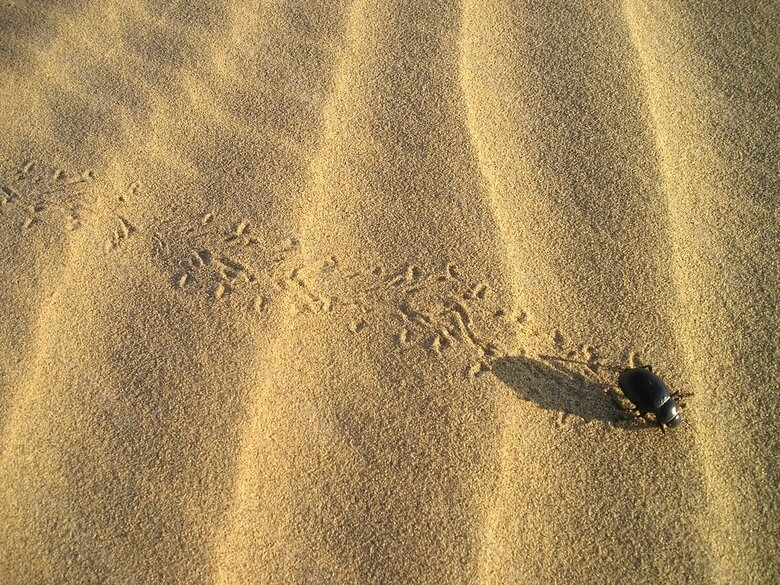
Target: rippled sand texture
point(336, 292)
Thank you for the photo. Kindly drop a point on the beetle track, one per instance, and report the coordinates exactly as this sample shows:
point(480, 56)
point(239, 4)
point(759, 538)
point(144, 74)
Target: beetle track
point(225, 265)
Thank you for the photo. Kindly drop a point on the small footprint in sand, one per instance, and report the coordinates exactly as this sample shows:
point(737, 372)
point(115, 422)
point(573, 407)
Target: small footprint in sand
point(124, 229)
point(8, 195)
point(42, 195)
point(407, 275)
point(478, 291)
point(478, 369)
point(357, 326)
point(436, 311)
point(559, 340)
point(221, 290)
point(237, 272)
point(258, 304)
point(241, 235)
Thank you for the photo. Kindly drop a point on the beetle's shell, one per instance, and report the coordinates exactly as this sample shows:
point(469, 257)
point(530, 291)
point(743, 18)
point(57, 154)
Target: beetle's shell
point(643, 388)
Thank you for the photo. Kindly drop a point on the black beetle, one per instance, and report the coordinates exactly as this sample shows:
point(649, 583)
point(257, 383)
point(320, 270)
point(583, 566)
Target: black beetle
point(649, 394)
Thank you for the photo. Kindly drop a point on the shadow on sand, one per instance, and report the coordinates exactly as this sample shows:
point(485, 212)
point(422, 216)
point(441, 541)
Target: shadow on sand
point(555, 387)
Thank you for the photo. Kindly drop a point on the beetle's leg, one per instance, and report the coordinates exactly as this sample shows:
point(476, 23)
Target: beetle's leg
point(634, 413)
point(679, 394)
point(631, 421)
point(680, 397)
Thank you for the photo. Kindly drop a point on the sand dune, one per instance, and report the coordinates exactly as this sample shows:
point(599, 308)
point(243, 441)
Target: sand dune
point(335, 292)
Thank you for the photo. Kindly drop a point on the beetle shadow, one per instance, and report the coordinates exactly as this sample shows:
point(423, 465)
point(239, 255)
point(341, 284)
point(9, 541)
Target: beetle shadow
point(557, 388)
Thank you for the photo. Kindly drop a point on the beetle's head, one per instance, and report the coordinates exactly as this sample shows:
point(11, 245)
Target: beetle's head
point(669, 414)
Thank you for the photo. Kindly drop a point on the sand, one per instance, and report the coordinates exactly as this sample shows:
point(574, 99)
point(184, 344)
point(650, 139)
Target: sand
point(299, 292)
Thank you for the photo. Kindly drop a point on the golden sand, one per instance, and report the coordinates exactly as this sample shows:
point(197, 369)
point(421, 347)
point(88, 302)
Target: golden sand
point(300, 292)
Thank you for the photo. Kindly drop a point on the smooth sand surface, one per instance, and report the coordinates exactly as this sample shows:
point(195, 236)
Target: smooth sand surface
point(336, 292)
